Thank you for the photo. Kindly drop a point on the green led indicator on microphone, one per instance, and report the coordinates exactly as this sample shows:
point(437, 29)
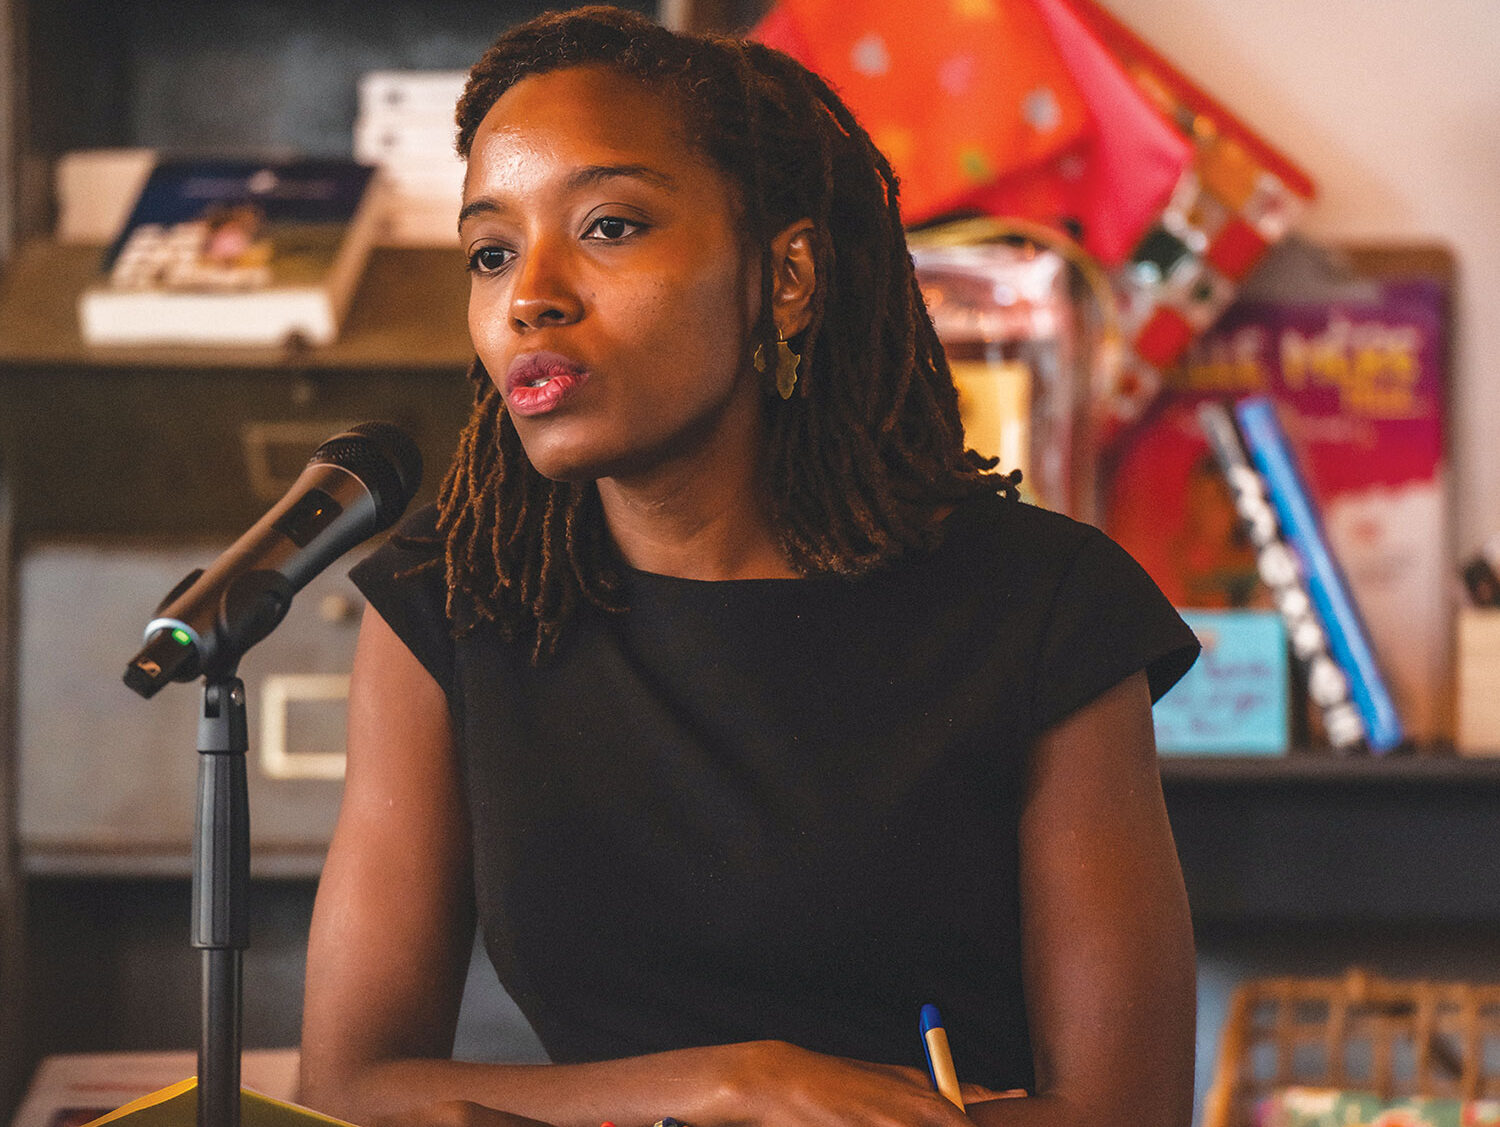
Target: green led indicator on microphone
point(182, 637)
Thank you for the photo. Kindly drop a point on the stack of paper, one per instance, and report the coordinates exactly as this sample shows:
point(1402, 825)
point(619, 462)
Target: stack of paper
point(405, 125)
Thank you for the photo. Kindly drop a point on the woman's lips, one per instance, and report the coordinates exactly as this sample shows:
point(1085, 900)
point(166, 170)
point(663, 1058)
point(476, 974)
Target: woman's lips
point(538, 381)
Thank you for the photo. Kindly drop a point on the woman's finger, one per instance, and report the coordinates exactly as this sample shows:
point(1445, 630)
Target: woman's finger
point(978, 1093)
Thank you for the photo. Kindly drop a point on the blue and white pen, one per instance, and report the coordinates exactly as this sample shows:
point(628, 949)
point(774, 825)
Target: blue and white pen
point(939, 1057)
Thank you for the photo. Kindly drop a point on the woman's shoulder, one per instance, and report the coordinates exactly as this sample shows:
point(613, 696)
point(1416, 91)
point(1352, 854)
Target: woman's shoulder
point(1001, 531)
point(1038, 555)
point(405, 581)
point(415, 540)
point(1100, 614)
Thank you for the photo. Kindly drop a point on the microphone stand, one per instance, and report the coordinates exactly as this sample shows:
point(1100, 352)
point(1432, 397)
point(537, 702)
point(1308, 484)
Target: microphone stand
point(360, 481)
point(221, 883)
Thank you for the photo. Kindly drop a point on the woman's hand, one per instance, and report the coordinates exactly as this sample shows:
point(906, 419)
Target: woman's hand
point(776, 1084)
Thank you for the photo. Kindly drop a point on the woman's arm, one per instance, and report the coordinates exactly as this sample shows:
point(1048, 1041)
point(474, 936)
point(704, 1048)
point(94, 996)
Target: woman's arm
point(392, 925)
point(1107, 938)
point(391, 935)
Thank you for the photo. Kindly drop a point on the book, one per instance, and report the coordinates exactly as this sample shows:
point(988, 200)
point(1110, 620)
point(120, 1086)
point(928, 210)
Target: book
point(1352, 345)
point(1327, 684)
point(1234, 698)
point(1305, 1106)
point(1159, 182)
point(236, 252)
point(1239, 199)
point(1348, 641)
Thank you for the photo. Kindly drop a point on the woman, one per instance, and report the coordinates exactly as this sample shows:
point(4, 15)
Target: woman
point(742, 707)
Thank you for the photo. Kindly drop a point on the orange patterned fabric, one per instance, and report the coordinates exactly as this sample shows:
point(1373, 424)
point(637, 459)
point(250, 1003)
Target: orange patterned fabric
point(959, 94)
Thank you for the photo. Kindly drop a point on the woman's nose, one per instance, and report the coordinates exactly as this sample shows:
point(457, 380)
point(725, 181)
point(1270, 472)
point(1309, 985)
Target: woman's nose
point(543, 294)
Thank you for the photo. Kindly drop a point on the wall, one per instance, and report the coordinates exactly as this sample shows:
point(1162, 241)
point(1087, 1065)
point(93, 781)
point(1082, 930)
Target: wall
point(1393, 107)
point(9, 61)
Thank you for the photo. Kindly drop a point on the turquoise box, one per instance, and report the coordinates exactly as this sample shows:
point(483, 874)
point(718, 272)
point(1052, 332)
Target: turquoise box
point(1234, 699)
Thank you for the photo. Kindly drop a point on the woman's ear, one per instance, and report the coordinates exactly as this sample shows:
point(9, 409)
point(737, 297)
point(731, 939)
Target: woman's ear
point(793, 277)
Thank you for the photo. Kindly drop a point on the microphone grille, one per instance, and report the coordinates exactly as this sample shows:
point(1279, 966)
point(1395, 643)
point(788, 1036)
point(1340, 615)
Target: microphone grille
point(384, 458)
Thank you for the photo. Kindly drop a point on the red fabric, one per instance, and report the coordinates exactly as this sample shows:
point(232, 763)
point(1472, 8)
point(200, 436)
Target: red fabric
point(1164, 338)
point(1136, 156)
point(1139, 58)
point(958, 96)
point(1011, 107)
point(1236, 249)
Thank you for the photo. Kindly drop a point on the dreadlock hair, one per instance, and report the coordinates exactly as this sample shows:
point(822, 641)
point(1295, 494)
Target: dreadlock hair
point(869, 447)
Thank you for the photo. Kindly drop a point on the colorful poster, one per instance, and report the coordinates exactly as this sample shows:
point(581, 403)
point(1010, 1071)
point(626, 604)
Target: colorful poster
point(1358, 378)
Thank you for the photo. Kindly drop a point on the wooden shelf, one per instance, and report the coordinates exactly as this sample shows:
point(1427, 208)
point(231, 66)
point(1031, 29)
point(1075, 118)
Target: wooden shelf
point(1433, 768)
point(167, 862)
point(408, 313)
point(1351, 842)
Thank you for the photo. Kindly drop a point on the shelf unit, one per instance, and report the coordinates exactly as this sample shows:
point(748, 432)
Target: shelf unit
point(407, 315)
point(1428, 769)
point(158, 419)
point(1313, 847)
point(1319, 839)
point(140, 450)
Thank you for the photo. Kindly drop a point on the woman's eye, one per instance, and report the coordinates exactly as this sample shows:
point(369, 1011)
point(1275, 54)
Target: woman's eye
point(611, 227)
point(487, 260)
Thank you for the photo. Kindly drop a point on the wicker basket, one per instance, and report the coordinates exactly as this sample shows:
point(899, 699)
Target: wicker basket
point(1395, 1038)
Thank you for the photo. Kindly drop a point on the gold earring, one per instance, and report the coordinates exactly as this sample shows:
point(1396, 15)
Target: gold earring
point(788, 368)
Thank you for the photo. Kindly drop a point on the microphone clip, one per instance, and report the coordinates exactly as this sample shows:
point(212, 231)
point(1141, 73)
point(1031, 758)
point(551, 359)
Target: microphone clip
point(251, 605)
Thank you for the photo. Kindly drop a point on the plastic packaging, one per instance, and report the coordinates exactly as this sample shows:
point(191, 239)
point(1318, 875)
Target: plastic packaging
point(1010, 329)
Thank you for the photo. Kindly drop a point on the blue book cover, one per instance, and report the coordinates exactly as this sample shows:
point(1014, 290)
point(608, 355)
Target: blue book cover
point(236, 252)
point(1278, 568)
point(1234, 700)
point(257, 196)
point(1349, 642)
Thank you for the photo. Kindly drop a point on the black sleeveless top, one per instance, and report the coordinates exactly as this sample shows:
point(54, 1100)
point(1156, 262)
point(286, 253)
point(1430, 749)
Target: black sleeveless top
point(782, 808)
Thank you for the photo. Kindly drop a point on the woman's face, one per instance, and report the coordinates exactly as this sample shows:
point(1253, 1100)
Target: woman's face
point(610, 293)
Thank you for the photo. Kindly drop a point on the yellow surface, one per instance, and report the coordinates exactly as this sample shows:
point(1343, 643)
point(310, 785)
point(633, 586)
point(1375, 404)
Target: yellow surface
point(177, 1106)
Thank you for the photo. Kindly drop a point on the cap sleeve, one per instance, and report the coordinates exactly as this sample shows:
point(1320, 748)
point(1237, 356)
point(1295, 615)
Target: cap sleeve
point(404, 581)
point(1108, 620)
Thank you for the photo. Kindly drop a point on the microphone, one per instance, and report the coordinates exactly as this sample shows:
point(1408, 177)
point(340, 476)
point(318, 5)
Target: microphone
point(355, 484)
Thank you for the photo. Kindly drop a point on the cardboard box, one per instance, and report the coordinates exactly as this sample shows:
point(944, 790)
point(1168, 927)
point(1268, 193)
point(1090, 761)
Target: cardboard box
point(1478, 681)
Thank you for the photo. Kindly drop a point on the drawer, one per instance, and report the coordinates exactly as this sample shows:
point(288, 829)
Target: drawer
point(163, 452)
point(106, 780)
